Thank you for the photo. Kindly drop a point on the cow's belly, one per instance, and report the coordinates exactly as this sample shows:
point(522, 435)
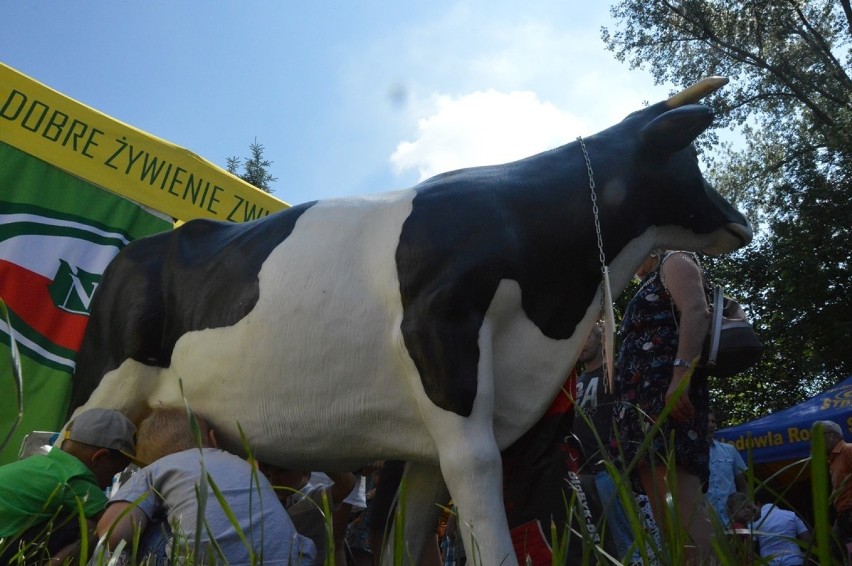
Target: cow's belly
point(529, 367)
point(317, 370)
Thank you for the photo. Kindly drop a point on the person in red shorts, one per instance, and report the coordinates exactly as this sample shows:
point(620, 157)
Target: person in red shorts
point(840, 468)
point(540, 480)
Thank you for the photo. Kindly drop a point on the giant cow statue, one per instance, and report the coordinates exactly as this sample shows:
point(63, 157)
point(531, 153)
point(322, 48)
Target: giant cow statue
point(434, 324)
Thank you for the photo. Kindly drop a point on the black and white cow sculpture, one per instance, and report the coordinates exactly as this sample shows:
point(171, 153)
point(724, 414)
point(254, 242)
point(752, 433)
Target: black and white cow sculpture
point(433, 325)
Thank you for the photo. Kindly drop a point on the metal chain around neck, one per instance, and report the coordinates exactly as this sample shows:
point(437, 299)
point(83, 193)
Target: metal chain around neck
point(602, 257)
point(595, 210)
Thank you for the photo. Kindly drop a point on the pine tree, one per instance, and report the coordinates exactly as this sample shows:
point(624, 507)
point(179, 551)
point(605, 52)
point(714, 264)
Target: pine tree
point(255, 168)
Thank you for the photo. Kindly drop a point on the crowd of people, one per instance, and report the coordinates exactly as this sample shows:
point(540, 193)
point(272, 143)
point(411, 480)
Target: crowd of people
point(607, 452)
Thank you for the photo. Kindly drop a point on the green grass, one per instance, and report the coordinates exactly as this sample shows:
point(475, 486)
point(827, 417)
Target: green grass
point(726, 551)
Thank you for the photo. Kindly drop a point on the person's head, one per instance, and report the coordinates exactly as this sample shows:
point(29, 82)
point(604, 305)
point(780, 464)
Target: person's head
point(832, 433)
point(167, 430)
point(284, 480)
point(712, 425)
point(593, 348)
point(103, 439)
point(741, 509)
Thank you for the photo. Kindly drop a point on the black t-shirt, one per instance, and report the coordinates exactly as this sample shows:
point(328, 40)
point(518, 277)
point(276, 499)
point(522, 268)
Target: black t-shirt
point(597, 404)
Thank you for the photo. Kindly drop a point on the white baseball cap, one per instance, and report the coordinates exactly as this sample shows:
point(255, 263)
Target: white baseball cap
point(104, 428)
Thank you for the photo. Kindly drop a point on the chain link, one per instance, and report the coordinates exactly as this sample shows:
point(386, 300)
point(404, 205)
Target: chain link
point(595, 210)
point(601, 254)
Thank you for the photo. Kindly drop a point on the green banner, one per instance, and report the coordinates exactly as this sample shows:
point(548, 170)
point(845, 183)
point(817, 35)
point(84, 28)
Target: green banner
point(57, 235)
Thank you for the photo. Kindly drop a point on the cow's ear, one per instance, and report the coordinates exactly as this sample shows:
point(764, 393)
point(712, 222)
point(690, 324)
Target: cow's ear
point(674, 130)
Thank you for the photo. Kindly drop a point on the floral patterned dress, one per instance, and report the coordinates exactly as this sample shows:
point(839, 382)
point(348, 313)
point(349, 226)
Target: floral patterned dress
point(649, 340)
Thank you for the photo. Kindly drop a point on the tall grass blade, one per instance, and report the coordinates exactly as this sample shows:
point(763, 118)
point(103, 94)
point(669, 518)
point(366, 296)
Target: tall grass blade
point(200, 490)
point(399, 524)
point(15, 361)
point(329, 530)
point(231, 519)
point(821, 492)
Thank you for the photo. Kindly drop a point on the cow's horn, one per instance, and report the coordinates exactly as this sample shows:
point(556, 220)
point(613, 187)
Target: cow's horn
point(694, 93)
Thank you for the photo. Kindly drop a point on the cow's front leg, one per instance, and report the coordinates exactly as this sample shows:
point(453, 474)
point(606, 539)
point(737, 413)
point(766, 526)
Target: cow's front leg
point(472, 467)
point(474, 475)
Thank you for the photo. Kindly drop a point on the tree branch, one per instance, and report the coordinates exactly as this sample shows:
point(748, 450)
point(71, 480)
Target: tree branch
point(817, 41)
point(847, 9)
point(738, 54)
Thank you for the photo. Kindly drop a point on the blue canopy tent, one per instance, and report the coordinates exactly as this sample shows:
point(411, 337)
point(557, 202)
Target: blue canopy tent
point(776, 446)
point(785, 435)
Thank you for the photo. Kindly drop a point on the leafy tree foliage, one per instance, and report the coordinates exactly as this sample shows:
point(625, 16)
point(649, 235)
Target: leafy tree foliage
point(790, 104)
point(255, 168)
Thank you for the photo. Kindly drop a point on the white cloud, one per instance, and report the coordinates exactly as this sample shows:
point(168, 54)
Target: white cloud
point(480, 83)
point(511, 86)
point(483, 128)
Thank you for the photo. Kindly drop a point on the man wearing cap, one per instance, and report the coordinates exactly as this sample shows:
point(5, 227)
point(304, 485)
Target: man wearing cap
point(41, 496)
point(840, 468)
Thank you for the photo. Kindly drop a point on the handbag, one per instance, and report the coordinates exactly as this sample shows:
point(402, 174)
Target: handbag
point(732, 346)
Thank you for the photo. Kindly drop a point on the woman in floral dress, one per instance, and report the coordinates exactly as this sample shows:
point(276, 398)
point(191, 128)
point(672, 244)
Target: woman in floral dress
point(663, 331)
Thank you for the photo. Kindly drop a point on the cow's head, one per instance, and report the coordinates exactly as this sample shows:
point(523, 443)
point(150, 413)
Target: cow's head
point(650, 172)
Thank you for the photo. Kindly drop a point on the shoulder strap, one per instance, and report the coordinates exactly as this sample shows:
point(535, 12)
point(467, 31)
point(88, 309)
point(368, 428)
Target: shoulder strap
point(667, 255)
point(715, 324)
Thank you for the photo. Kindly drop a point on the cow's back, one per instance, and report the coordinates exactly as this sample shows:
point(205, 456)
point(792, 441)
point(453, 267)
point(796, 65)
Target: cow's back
point(319, 315)
point(160, 287)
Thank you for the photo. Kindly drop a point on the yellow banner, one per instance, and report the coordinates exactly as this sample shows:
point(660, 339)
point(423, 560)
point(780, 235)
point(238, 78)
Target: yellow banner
point(120, 158)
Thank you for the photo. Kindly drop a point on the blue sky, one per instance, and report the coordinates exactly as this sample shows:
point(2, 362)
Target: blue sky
point(346, 97)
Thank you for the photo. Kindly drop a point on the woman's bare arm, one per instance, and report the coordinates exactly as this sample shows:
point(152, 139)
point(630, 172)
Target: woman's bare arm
point(683, 279)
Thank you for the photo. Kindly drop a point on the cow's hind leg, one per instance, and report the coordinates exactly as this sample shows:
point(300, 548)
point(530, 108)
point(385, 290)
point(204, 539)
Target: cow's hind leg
point(421, 497)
